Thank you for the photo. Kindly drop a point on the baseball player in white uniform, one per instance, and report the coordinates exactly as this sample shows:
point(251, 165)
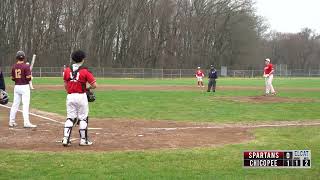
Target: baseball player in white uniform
point(199, 76)
point(75, 79)
point(21, 75)
point(268, 75)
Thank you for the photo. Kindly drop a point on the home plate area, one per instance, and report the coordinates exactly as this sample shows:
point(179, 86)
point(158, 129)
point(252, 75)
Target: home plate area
point(125, 135)
point(114, 134)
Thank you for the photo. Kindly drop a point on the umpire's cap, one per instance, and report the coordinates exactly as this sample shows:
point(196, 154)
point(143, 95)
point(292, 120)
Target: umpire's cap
point(20, 55)
point(78, 56)
point(211, 66)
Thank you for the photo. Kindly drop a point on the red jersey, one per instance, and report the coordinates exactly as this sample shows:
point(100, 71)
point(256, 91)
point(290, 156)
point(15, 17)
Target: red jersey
point(268, 68)
point(199, 73)
point(77, 83)
point(21, 73)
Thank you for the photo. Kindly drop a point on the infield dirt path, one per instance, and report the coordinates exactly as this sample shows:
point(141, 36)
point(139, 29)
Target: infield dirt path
point(127, 135)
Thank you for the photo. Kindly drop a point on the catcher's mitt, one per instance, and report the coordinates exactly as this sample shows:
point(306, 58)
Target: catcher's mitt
point(90, 96)
point(4, 98)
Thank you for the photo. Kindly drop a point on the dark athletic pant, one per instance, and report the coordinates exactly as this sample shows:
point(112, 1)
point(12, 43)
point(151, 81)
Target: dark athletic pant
point(212, 84)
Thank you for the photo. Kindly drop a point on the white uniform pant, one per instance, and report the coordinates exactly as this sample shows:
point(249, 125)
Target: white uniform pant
point(77, 106)
point(199, 79)
point(269, 87)
point(21, 92)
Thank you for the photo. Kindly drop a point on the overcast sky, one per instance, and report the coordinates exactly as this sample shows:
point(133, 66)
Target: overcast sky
point(290, 15)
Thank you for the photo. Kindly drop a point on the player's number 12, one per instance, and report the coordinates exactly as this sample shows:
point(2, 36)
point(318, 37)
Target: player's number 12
point(18, 73)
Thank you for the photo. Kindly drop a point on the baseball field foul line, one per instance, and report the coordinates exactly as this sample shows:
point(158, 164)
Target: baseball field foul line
point(237, 126)
point(42, 117)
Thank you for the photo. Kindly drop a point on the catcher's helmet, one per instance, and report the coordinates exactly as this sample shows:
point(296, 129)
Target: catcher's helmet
point(78, 56)
point(4, 98)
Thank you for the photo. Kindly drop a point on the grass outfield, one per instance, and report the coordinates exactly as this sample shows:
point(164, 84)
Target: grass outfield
point(185, 106)
point(205, 163)
point(198, 163)
point(278, 82)
point(189, 105)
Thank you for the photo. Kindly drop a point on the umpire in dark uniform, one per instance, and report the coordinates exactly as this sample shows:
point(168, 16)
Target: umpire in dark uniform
point(213, 75)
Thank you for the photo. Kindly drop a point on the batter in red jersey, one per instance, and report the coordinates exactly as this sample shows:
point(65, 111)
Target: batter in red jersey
point(268, 75)
point(75, 79)
point(199, 76)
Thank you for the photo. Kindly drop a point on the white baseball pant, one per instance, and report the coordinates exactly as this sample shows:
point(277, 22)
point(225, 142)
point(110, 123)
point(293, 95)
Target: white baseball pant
point(21, 92)
point(269, 86)
point(199, 79)
point(77, 107)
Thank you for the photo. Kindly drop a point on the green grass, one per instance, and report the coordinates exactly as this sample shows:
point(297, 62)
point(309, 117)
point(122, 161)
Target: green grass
point(278, 82)
point(199, 163)
point(185, 106)
point(204, 163)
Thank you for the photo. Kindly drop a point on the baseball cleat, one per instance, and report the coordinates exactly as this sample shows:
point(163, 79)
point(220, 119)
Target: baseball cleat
point(13, 124)
point(84, 142)
point(29, 125)
point(65, 142)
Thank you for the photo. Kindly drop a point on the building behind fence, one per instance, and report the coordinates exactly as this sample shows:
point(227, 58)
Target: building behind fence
point(281, 70)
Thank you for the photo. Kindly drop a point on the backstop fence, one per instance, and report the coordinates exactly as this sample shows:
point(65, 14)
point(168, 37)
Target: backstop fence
point(281, 70)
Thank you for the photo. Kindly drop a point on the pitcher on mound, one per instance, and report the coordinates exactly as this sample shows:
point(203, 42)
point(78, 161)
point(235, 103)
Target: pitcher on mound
point(75, 79)
point(268, 75)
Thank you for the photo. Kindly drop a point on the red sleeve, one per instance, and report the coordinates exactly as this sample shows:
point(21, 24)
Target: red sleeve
point(90, 78)
point(66, 74)
point(270, 67)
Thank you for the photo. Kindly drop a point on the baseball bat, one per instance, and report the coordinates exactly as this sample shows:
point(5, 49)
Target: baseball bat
point(32, 61)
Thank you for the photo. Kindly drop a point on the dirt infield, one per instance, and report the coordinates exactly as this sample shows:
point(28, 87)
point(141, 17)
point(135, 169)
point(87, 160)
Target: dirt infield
point(264, 99)
point(115, 135)
point(126, 135)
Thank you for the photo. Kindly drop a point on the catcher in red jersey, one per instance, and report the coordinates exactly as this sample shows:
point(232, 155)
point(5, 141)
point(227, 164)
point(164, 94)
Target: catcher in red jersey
point(199, 76)
point(268, 75)
point(75, 79)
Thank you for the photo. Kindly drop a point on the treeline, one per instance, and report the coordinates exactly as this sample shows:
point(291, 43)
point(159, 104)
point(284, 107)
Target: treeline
point(148, 33)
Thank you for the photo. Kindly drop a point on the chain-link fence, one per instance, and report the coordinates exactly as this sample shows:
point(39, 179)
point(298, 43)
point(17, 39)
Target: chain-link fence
point(281, 70)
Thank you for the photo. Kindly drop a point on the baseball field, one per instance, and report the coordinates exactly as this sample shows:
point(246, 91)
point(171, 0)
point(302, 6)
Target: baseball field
point(165, 129)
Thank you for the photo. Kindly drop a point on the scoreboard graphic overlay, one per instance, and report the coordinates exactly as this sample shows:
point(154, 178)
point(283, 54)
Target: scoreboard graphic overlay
point(277, 159)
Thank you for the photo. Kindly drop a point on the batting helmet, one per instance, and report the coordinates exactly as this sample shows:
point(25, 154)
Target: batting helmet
point(20, 55)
